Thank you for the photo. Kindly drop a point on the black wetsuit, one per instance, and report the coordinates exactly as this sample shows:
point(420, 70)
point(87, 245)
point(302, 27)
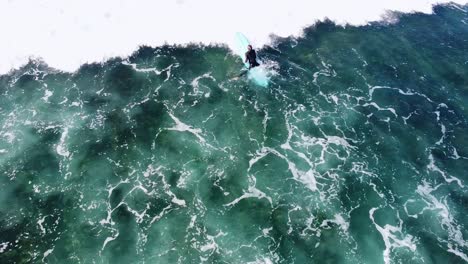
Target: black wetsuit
point(252, 58)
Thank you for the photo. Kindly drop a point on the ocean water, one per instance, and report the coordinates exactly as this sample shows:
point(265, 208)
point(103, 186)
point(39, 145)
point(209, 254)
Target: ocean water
point(356, 152)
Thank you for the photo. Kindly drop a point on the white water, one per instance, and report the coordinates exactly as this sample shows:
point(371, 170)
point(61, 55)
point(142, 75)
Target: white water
point(67, 34)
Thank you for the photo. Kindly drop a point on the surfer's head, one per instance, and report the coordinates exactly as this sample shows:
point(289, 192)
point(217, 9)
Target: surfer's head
point(249, 47)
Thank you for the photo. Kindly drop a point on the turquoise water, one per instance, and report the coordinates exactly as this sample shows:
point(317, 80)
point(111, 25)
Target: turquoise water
point(356, 152)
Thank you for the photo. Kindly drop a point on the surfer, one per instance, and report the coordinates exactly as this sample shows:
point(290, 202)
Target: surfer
point(251, 57)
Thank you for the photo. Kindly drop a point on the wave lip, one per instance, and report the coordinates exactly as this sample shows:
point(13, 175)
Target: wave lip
point(66, 34)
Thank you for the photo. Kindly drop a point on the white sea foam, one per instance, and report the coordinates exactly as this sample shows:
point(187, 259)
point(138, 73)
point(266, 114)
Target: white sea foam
point(182, 127)
point(67, 34)
point(393, 236)
point(339, 220)
point(440, 207)
point(40, 222)
point(61, 147)
point(448, 178)
point(47, 253)
point(109, 239)
point(46, 96)
point(3, 246)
